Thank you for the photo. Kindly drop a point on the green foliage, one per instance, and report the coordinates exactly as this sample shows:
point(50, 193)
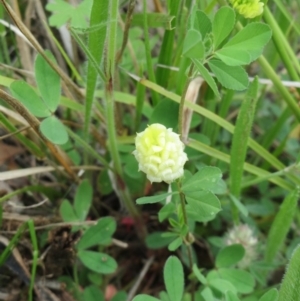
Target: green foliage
point(281, 225)
point(230, 256)
point(99, 234)
point(97, 262)
point(290, 289)
point(271, 295)
point(63, 12)
point(29, 98)
point(174, 278)
point(240, 137)
point(54, 130)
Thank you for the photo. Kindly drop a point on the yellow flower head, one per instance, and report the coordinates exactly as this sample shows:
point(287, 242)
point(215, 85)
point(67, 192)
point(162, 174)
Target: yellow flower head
point(248, 8)
point(159, 152)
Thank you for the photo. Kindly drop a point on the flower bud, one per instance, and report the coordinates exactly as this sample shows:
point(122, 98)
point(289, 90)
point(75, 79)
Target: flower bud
point(248, 8)
point(159, 152)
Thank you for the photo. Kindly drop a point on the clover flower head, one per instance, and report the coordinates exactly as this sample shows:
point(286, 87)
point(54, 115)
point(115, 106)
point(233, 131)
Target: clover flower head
point(248, 8)
point(160, 153)
point(243, 234)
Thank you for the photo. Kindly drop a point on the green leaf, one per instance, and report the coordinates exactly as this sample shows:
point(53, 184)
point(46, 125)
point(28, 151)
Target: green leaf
point(54, 130)
point(99, 234)
point(205, 179)
point(270, 295)
point(29, 98)
point(97, 262)
point(48, 81)
point(239, 205)
point(222, 285)
point(159, 113)
point(229, 256)
point(231, 77)
point(174, 278)
point(222, 24)
point(67, 212)
point(93, 293)
point(193, 46)
point(166, 211)
point(207, 77)
point(207, 294)
point(242, 280)
point(281, 225)
point(63, 12)
point(199, 275)
point(252, 38)
point(119, 296)
point(230, 296)
point(202, 205)
point(233, 57)
point(154, 199)
point(157, 241)
point(290, 288)
point(144, 298)
point(240, 138)
point(202, 23)
point(175, 244)
point(83, 200)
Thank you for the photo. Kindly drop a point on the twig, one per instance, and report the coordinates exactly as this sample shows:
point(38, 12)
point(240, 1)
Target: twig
point(140, 278)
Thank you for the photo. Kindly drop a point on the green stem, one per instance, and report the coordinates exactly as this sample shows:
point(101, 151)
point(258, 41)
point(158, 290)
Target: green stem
point(34, 257)
point(151, 75)
point(110, 116)
point(287, 54)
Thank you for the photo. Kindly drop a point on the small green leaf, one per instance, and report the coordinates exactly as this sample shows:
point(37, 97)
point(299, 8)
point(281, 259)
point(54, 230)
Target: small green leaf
point(157, 241)
point(252, 38)
point(99, 234)
point(48, 81)
point(202, 205)
point(222, 285)
point(174, 278)
point(242, 280)
point(207, 294)
point(154, 199)
point(290, 288)
point(233, 57)
point(281, 225)
point(63, 12)
point(144, 298)
point(97, 262)
point(193, 46)
point(119, 296)
point(270, 295)
point(205, 179)
point(93, 293)
point(207, 77)
point(54, 130)
point(67, 212)
point(239, 205)
point(202, 23)
point(231, 77)
point(29, 98)
point(222, 24)
point(83, 200)
point(199, 275)
point(175, 244)
point(230, 296)
point(159, 113)
point(230, 255)
point(166, 211)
